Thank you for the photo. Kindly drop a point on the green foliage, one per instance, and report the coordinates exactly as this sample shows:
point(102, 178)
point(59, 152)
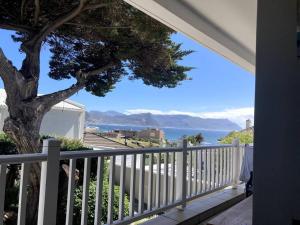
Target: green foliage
point(7, 147)
point(245, 137)
point(195, 139)
point(91, 203)
point(116, 37)
point(72, 145)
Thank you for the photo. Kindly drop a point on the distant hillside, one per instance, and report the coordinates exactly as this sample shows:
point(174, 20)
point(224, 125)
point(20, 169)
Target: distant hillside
point(152, 120)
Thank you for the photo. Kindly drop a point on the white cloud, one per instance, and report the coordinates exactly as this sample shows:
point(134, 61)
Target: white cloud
point(237, 115)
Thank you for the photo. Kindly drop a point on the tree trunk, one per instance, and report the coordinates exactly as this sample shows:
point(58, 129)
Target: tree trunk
point(25, 134)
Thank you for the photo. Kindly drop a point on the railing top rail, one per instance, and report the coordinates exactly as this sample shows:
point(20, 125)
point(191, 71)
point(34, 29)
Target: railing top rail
point(209, 147)
point(115, 152)
point(22, 158)
point(38, 157)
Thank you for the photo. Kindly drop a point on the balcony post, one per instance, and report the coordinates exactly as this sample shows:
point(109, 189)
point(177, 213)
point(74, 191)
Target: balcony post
point(236, 162)
point(181, 159)
point(49, 183)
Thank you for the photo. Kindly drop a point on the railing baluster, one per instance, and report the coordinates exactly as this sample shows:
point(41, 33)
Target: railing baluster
point(166, 178)
point(85, 191)
point(201, 170)
point(190, 185)
point(111, 190)
point(217, 167)
point(3, 168)
point(23, 193)
point(224, 166)
point(172, 180)
point(71, 188)
point(150, 183)
point(195, 172)
point(141, 184)
point(99, 189)
point(132, 185)
point(181, 172)
point(221, 167)
point(209, 169)
point(231, 173)
point(122, 187)
point(205, 171)
point(213, 185)
point(227, 166)
point(158, 168)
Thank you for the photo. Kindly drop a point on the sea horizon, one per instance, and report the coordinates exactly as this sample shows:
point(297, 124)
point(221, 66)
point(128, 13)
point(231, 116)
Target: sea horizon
point(171, 133)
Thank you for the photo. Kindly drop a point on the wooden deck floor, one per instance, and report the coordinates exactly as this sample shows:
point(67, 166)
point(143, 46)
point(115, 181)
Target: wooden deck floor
point(201, 208)
point(240, 214)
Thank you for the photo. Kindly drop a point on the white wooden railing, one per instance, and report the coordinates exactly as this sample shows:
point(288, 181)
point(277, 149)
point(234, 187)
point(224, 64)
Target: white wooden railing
point(157, 179)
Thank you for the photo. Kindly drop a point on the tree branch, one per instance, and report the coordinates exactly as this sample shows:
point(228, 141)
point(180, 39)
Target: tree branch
point(14, 27)
point(95, 6)
point(83, 76)
point(37, 39)
point(8, 72)
point(36, 11)
point(49, 100)
point(98, 27)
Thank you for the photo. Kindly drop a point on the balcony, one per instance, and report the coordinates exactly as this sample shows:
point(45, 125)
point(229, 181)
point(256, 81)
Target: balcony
point(168, 181)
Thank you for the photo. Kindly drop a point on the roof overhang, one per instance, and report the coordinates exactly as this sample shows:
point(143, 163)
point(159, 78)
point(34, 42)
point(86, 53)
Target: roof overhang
point(227, 27)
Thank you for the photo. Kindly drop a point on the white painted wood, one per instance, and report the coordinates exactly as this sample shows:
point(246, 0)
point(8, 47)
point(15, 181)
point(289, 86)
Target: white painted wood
point(85, 191)
point(141, 184)
point(208, 170)
point(190, 174)
point(172, 180)
point(213, 170)
point(71, 188)
point(150, 183)
point(195, 172)
point(99, 188)
point(23, 193)
point(166, 179)
point(122, 187)
point(181, 172)
point(49, 183)
point(111, 191)
point(132, 185)
point(201, 170)
point(158, 180)
point(217, 168)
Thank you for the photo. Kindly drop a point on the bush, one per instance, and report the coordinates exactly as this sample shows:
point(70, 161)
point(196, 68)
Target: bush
point(7, 147)
point(92, 200)
point(245, 137)
point(72, 145)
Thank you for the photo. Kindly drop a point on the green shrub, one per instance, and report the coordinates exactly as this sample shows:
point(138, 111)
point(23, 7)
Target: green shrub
point(245, 137)
point(7, 147)
point(92, 200)
point(72, 145)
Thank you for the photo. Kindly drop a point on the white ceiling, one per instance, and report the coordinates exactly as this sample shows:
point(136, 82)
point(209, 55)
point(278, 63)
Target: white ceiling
point(225, 26)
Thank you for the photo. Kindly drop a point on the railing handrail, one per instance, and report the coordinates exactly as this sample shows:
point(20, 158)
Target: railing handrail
point(39, 157)
point(23, 158)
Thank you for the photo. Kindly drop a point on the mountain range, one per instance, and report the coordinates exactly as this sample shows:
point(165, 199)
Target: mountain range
point(154, 120)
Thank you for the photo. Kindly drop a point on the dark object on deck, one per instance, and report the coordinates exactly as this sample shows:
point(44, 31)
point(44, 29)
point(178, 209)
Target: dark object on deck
point(249, 185)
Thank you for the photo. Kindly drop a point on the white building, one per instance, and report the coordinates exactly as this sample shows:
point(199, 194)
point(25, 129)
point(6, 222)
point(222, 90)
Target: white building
point(65, 119)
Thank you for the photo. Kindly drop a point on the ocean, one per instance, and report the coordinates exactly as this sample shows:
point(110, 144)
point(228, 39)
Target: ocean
point(210, 136)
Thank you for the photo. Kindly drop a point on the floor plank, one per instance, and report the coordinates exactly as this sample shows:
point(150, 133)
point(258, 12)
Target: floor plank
point(240, 214)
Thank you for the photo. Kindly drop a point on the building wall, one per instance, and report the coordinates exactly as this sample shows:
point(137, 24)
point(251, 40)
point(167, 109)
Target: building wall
point(65, 123)
point(151, 134)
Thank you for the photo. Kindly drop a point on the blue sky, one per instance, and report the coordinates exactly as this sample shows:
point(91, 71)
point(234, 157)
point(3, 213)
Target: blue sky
point(218, 89)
